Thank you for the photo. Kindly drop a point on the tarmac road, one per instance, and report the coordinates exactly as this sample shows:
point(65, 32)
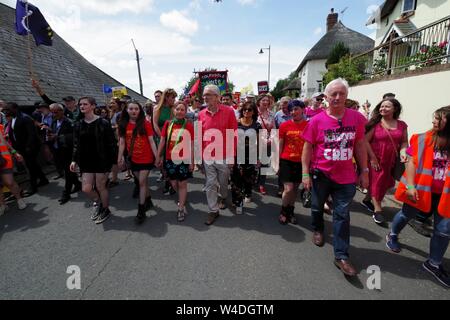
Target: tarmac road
point(239, 257)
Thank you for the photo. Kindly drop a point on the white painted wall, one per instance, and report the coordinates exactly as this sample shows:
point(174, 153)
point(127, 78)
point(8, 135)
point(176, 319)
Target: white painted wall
point(420, 96)
point(311, 73)
point(427, 11)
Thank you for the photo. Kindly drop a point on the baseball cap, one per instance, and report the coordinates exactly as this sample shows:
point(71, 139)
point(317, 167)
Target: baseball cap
point(318, 94)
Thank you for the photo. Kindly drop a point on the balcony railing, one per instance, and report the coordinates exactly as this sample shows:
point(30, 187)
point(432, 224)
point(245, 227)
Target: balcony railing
point(422, 48)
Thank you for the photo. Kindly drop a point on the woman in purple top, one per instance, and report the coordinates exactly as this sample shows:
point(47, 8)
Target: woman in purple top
point(386, 137)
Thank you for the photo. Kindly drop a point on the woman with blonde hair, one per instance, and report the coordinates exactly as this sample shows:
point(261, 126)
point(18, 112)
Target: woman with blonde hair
point(266, 118)
point(161, 113)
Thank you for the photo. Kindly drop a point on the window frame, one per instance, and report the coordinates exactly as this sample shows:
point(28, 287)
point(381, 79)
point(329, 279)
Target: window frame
point(414, 6)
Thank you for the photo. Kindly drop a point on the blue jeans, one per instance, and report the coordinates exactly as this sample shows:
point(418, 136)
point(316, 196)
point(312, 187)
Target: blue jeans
point(441, 233)
point(342, 196)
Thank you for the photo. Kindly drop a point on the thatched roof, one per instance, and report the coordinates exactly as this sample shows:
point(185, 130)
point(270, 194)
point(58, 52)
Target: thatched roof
point(355, 41)
point(295, 84)
point(60, 69)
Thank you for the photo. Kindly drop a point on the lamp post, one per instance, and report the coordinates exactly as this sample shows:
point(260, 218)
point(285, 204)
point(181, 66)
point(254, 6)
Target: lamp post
point(262, 52)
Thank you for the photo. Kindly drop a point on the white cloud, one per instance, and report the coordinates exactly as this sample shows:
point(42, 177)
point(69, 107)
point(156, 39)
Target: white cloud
point(178, 21)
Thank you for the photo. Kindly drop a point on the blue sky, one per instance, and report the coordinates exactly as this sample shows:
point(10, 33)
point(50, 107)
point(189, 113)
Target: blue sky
point(175, 37)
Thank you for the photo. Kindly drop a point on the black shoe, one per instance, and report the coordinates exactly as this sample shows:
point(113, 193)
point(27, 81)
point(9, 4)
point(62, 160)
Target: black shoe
point(141, 214)
point(438, 272)
point(378, 218)
point(64, 199)
point(97, 207)
point(104, 214)
point(29, 192)
point(77, 188)
point(43, 183)
point(368, 205)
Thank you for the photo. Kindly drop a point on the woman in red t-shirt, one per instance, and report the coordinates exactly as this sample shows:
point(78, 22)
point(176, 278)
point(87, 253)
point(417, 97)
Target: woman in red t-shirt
point(176, 148)
point(136, 135)
point(291, 147)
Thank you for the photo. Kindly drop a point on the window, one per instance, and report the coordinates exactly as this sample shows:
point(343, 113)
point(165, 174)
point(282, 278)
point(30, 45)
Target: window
point(409, 5)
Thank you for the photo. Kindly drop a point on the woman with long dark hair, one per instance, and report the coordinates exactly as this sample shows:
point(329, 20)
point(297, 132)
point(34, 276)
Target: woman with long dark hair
point(387, 139)
point(244, 172)
point(93, 145)
point(425, 189)
point(136, 136)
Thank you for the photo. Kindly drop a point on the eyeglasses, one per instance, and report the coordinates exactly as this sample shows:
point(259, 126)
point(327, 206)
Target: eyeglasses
point(319, 100)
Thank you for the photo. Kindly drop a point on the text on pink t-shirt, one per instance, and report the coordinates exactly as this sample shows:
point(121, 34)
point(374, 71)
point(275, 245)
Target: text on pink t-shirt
point(333, 144)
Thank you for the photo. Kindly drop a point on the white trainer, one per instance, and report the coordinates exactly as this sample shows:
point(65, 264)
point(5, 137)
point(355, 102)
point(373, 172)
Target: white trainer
point(21, 204)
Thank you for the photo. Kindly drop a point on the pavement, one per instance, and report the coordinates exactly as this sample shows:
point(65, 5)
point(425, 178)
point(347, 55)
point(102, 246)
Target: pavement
point(239, 257)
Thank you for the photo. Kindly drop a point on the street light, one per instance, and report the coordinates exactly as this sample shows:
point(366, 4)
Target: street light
point(262, 52)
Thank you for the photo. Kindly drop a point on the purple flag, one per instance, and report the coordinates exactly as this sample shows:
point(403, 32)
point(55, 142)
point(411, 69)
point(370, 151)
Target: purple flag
point(30, 19)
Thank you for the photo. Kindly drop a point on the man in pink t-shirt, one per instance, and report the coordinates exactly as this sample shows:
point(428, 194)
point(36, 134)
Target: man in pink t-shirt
point(332, 139)
point(317, 107)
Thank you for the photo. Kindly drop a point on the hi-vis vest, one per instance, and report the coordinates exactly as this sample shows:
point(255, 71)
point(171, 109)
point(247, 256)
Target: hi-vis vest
point(423, 154)
point(4, 151)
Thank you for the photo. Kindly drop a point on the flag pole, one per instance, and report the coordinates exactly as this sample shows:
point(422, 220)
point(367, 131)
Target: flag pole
point(30, 52)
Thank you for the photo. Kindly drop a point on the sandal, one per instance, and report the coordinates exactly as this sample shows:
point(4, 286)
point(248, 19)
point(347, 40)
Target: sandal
point(181, 215)
point(283, 219)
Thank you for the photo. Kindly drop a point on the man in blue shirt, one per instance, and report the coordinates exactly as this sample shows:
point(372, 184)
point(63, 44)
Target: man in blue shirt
point(283, 114)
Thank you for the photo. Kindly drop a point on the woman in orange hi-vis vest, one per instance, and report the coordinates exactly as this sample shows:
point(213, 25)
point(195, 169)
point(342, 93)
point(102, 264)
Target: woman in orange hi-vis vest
point(6, 173)
point(425, 188)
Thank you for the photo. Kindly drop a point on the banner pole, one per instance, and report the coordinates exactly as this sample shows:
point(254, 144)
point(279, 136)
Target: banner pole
point(30, 52)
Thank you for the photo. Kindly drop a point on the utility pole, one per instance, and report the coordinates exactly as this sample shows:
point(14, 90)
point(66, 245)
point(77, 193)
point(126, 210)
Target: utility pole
point(139, 68)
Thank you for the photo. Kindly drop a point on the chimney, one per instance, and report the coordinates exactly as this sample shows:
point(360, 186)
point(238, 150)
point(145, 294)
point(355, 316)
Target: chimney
point(332, 19)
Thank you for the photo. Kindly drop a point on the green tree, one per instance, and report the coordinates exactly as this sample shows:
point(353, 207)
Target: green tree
point(278, 92)
point(337, 53)
point(350, 69)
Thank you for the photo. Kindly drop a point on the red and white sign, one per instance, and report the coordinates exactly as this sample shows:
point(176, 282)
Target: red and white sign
point(263, 87)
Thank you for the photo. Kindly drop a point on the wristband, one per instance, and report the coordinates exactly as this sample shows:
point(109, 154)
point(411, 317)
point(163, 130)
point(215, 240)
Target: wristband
point(410, 187)
point(13, 151)
point(306, 175)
